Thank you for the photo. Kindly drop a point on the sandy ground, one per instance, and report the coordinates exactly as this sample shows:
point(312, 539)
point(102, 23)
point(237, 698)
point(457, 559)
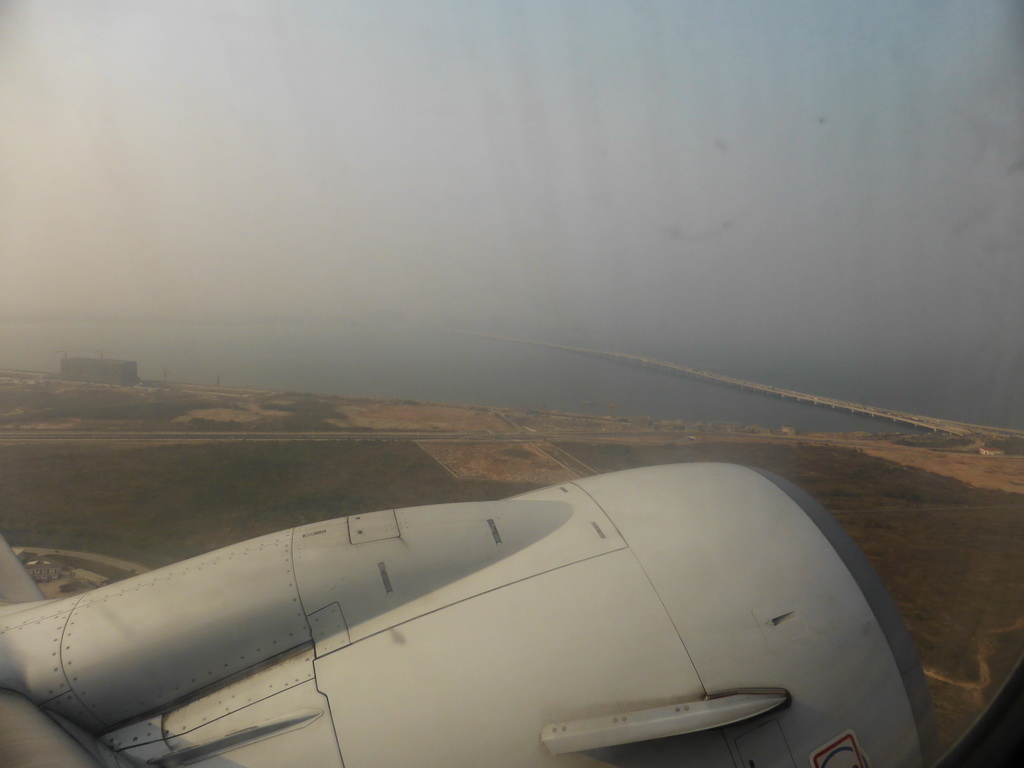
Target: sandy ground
point(520, 462)
point(251, 413)
point(55, 424)
point(569, 423)
point(443, 418)
point(1002, 473)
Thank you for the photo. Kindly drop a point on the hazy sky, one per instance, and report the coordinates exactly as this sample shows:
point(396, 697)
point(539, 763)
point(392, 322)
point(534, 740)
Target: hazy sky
point(828, 172)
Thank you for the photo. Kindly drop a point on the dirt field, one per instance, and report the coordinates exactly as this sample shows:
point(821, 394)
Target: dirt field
point(56, 405)
point(250, 412)
point(944, 529)
point(1004, 473)
point(517, 462)
point(388, 417)
point(158, 503)
point(957, 577)
point(536, 421)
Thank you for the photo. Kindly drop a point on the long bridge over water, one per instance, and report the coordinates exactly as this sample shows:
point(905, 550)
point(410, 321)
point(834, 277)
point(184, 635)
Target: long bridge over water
point(674, 369)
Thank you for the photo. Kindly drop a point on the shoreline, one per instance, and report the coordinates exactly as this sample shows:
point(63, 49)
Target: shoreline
point(159, 474)
point(176, 412)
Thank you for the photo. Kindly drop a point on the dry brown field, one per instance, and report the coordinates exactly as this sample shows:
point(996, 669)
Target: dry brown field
point(944, 529)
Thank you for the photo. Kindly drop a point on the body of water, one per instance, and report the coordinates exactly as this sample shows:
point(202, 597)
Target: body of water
point(427, 364)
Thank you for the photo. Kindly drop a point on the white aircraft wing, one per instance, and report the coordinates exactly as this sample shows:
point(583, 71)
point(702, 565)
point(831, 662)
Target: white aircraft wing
point(16, 586)
point(702, 613)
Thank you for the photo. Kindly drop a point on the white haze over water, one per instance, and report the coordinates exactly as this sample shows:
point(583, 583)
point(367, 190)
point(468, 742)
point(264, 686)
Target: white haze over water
point(436, 365)
point(419, 364)
point(828, 195)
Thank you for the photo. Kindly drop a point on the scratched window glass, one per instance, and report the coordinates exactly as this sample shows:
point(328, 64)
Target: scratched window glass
point(336, 337)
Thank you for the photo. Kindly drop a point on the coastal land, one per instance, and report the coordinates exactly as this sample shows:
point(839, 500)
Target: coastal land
point(154, 474)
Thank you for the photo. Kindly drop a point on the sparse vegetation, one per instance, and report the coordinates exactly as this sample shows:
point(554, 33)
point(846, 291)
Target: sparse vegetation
point(103, 404)
point(934, 440)
point(952, 555)
point(840, 478)
point(160, 503)
point(1011, 446)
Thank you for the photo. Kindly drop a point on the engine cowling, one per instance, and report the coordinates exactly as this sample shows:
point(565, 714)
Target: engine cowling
point(703, 611)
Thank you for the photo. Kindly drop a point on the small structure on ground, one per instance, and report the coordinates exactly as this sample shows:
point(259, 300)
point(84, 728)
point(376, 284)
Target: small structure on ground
point(39, 568)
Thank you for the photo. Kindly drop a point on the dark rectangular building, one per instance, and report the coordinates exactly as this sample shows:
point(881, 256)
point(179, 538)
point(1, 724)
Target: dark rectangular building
point(97, 370)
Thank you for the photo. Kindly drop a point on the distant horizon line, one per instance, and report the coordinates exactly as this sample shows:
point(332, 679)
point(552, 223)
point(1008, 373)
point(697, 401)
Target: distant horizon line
point(372, 317)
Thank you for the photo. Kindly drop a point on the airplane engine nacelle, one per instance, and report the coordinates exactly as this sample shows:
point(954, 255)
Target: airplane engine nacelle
point(703, 612)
